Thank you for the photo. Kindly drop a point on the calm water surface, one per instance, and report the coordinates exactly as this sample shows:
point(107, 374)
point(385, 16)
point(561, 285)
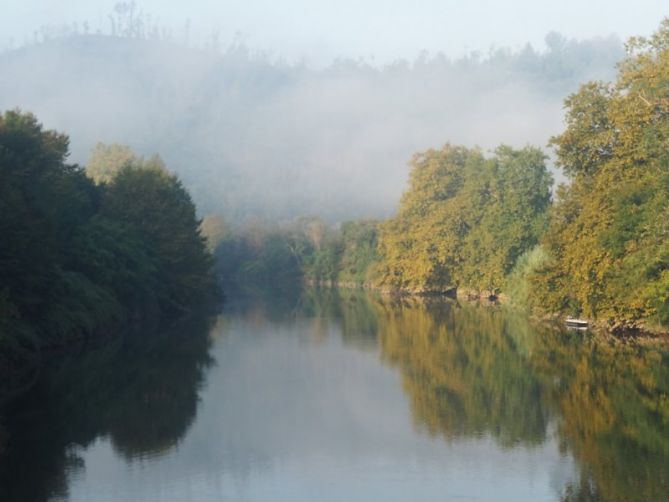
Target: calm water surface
point(342, 396)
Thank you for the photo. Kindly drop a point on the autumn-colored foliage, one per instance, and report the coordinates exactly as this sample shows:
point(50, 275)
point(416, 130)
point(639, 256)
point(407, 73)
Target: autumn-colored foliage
point(608, 239)
point(465, 219)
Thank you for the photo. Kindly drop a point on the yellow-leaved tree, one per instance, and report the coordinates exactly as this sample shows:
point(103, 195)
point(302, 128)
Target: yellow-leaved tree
point(608, 240)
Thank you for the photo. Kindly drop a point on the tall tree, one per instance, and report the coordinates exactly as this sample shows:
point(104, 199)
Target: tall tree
point(76, 257)
point(608, 237)
point(155, 204)
point(465, 219)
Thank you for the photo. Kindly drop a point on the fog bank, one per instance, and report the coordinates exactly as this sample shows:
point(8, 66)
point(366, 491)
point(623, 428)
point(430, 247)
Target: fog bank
point(255, 136)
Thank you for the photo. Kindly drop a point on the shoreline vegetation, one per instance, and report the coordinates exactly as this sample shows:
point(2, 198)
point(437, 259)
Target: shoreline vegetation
point(597, 248)
point(557, 321)
point(89, 252)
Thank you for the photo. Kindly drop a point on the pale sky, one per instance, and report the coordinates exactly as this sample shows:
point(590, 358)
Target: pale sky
point(386, 30)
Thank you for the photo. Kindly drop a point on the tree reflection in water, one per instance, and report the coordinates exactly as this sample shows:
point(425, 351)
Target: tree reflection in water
point(464, 371)
point(475, 371)
point(613, 399)
point(139, 391)
point(467, 372)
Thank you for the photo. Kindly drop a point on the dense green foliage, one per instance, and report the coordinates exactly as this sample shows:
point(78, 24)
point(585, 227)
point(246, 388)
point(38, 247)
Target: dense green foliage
point(307, 250)
point(359, 253)
point(256, 255)
point(518, 287)
point(465, 219)
point(346, 256)
point(608, 238)
point(78, 258)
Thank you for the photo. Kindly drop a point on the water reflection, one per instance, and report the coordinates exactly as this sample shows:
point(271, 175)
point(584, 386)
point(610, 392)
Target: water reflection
point(613, 399)
point(139, 391)
point(341, 395)
point(352, 310)
point(485, 371)
point(464, 371)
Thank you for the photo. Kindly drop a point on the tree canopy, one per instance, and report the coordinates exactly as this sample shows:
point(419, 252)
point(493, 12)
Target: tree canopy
point(465, 219)
point(608, 237)
point(77, 257)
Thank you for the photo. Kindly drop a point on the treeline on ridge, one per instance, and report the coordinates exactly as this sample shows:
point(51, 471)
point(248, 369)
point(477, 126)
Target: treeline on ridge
point(79, 257)
point(600, 249)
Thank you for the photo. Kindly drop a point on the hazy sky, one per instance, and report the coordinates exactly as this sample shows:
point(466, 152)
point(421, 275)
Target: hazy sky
point(386, 30)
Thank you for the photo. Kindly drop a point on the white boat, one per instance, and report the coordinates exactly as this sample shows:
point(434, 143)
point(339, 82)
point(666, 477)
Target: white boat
point(573, 322)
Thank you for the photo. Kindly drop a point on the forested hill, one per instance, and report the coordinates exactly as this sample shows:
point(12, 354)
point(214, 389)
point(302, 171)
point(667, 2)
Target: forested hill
point(252, 135)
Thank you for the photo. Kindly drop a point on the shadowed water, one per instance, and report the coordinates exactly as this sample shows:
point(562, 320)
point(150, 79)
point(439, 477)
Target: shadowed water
point(344, 396)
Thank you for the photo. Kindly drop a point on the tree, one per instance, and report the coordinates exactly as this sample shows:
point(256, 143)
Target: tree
point(78, 258)
point(608, 237)
point(106, 161)
point(465, 219)
point(155, 204)
point(43, 201)
point(419, 247)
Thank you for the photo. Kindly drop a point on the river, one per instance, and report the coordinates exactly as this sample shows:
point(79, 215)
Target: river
point(344, 396)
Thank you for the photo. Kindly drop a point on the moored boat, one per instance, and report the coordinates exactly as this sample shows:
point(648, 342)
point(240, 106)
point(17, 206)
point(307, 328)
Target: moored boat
point(573, 322)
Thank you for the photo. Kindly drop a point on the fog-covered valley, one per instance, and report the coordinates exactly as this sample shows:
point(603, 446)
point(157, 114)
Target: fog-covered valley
point(256, 136)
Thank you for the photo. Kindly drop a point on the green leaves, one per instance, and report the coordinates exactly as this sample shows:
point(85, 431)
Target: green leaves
point(75, 257)
point(155, 205)
point(608, 235)
point(465, 219)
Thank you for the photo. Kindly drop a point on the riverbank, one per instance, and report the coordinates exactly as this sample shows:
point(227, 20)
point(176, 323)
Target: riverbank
point(638, 330)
